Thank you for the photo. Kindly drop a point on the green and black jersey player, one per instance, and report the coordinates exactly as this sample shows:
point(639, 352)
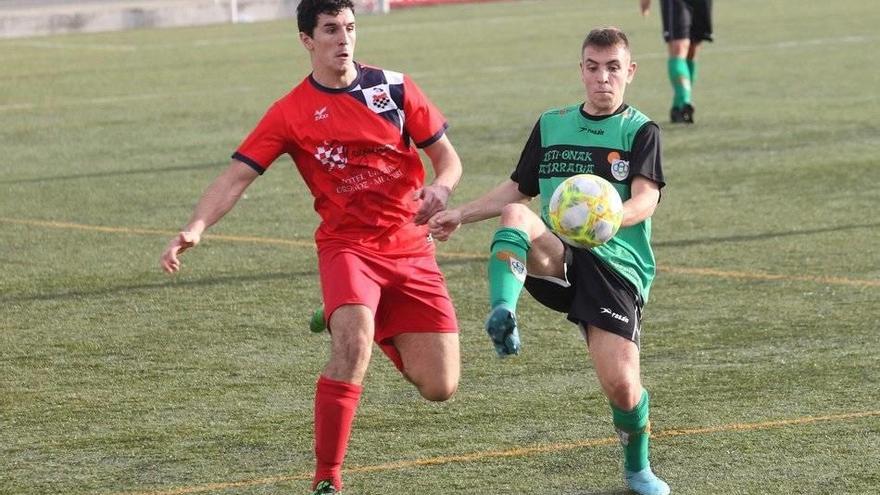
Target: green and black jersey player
point(616, 147)
point(601, 290)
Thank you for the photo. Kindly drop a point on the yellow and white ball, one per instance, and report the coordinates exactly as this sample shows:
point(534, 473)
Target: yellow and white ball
point(585, 210)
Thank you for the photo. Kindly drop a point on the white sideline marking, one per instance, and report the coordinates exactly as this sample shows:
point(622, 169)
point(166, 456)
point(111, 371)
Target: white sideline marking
point(73, 46)
point(199, 43)
point(109, 100)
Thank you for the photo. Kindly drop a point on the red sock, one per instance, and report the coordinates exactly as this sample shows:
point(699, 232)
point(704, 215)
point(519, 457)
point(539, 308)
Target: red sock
point(335, 405)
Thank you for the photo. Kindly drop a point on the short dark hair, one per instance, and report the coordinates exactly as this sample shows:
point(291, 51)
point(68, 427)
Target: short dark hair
point(605, 37)
point(307, 12)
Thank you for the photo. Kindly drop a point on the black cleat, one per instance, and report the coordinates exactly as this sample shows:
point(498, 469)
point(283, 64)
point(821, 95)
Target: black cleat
point(676, 116)
point(325, 487)
point(687, 113)
point(683, 115)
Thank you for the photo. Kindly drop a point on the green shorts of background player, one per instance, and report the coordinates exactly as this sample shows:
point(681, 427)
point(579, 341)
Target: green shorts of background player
point(601, 290)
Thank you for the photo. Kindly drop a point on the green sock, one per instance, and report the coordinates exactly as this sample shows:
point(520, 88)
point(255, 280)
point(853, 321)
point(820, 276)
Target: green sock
point(692, 70)
point(679, 76)
point(634, 430)
point(507, 266)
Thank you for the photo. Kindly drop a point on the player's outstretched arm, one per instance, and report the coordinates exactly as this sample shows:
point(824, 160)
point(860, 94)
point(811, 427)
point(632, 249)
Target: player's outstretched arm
point(216, 201)
point(447, 172)
point(489, 205)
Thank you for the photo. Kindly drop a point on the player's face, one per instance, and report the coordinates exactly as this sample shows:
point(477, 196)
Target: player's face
point(605, 71)
point(332, 43)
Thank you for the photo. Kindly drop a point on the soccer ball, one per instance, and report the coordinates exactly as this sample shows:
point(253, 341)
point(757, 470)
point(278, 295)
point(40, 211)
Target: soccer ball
point(585, 211)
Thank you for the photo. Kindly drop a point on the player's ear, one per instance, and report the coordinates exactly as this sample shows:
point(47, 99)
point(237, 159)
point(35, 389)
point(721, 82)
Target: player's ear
point(307, 41)
point(631, 72)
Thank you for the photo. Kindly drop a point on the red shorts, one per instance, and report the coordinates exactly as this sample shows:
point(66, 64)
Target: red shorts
point(406, 295)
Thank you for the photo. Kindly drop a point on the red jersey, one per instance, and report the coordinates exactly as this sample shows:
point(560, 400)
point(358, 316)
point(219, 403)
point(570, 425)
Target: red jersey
point(355, 148)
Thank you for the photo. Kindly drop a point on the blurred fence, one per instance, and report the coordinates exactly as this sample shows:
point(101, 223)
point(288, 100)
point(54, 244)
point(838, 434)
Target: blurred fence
point(20, 18)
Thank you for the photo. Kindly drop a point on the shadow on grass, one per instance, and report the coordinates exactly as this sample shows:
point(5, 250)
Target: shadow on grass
point(762, 235)
point(115, 173)
point(616, 491)
point(454, 259)
point(73, 294)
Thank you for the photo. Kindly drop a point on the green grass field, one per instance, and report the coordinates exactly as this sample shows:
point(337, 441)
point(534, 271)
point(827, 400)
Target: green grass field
point(759, 345)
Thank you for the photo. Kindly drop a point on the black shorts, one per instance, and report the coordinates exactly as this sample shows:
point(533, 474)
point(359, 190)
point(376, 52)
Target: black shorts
point(687, 19)
point(596, 296)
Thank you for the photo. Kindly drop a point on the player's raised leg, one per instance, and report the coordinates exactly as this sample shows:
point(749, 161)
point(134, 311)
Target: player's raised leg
point(431, 361)
point(507, 274)
point(521, 245)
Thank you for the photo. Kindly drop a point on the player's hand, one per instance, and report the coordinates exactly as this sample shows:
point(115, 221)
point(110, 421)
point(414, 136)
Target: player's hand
point(645, 6)
point(180, 243)
point(434, 199)
point(444, 223)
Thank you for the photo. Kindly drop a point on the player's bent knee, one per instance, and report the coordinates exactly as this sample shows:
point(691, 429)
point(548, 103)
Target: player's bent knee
point(515, 214)
point(624, 395)
point(436, 387)
point(438, 391)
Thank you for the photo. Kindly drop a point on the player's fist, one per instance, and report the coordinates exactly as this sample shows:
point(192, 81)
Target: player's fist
point(444, 223)
point(502, 329)
point(180, 243)
point(434, 199)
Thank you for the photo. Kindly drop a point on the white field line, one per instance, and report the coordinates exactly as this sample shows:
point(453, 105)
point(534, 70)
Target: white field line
point(115, 47)
point(57, 45)
point(292, 36)
point(211, 42)
point(708, 52)
point(113, 100)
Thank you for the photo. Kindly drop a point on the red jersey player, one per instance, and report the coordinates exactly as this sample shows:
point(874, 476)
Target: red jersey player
point(353, 132)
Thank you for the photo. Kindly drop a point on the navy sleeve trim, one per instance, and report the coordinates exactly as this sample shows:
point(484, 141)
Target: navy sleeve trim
point(436, 137)
point(249, 162)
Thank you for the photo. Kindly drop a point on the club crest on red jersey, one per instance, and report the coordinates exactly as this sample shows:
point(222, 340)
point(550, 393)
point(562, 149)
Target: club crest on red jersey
point(379, 99)
point(332, 154)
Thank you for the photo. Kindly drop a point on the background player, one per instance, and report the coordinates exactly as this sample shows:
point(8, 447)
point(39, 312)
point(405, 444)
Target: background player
point(686, 24)
point(352, 131)
point(602, 290)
